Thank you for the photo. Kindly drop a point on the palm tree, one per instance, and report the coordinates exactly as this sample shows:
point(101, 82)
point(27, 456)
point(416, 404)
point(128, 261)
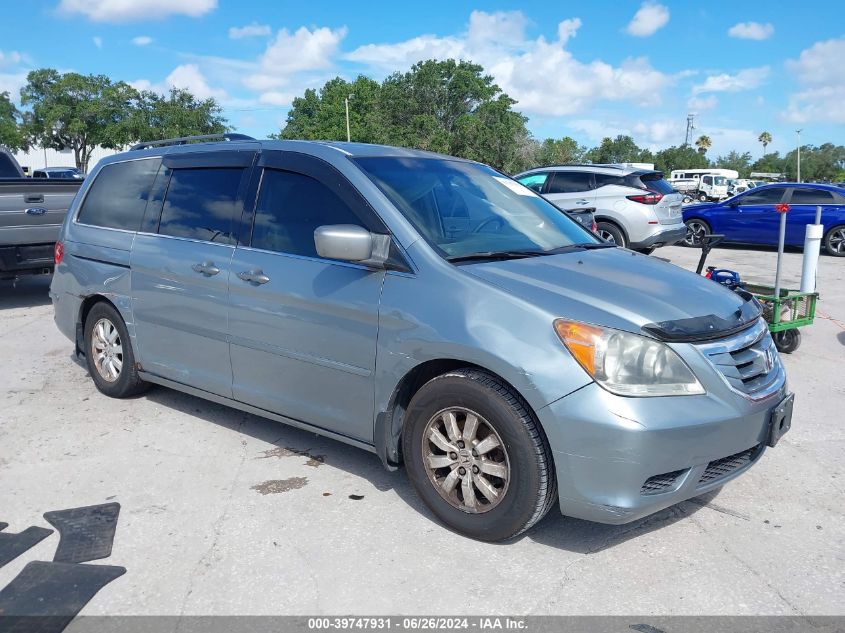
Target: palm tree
point(703, 144)
point(765, 138)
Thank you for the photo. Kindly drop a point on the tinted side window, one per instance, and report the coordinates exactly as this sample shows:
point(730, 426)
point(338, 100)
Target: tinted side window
point(763, 196)
point(201, 204)
point(7, 167)
point(812, 196)
point(290, 206)
point(570, 182)
point(608, 179)
point(535, 181)
point(118, 195)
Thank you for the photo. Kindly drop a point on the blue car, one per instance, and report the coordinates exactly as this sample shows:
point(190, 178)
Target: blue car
point(752, 217)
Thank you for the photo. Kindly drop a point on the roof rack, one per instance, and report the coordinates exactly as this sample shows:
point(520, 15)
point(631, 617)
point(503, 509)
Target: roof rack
point(184, 140)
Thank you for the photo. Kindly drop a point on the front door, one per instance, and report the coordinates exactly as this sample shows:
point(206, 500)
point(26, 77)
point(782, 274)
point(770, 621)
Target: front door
point(302, 328)
point(755, 219)
point(180, 277)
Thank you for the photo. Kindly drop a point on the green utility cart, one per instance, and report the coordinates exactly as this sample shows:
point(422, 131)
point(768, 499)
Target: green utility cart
point(785, 313)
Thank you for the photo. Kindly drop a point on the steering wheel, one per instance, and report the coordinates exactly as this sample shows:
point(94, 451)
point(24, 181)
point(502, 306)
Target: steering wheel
point(484, 223)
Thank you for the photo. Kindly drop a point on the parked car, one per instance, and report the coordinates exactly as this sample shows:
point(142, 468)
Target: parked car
point(31, 213)
point(426, 308)
point(752, 217)
point(634, 207)
point(63, 173)
point(711, 183)
point(585, 217)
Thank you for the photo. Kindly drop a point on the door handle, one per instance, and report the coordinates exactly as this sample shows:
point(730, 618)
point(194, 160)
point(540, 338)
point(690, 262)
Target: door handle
point(206, 268)
point(582, 201)
point(34, 197)
point(254, 276)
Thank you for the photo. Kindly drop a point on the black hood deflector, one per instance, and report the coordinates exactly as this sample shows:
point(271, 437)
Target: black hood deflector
point(709, 327)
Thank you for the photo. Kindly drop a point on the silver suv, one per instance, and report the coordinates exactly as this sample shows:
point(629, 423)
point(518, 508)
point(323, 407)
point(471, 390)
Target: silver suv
point(428, 309)
point(634, 207)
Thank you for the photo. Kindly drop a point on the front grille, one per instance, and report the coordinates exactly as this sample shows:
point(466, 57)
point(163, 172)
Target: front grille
point(661, 483)
point(721, 468)
point(749, 360)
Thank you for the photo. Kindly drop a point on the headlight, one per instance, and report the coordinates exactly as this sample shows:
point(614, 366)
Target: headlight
point(627, 364)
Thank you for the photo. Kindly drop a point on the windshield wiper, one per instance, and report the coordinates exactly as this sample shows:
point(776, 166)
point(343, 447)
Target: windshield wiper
point(586, 246)
point(496, 255)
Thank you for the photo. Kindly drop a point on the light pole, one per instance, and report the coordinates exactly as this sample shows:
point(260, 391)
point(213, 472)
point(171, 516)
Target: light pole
point(798, 132)
point(346, 103)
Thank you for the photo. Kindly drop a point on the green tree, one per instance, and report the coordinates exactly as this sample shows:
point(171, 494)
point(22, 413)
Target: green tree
point(180, 113)
point(772, 163)
point(77, 111)
point(765, 138)
point(621, 149)
point(734, 160)
point(703, 143)
point(679, 157)
point(559, 151)
point(11, 130)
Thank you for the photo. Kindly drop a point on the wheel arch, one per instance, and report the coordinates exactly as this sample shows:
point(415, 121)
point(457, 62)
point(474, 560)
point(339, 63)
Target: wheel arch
point(84, 309)
point(609, 220)
point(390, 422)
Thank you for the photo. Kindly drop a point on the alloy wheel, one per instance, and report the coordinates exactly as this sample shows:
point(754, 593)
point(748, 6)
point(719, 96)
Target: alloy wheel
point(466, 460)
point(695, 231)
point(837, 240)
point(606, 236)
point(107, 350)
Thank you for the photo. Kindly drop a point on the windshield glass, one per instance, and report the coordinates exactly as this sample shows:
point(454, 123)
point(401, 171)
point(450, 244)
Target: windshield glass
point(463, 208)
point(720, 180)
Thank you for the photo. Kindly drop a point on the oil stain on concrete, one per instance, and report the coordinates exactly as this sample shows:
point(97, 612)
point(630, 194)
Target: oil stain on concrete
point(275, 486)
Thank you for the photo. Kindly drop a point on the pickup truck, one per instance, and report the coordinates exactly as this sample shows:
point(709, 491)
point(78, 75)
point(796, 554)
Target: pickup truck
point(31, 214)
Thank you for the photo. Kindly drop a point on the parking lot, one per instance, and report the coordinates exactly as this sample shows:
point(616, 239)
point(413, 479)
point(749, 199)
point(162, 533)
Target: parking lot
point(226, 513)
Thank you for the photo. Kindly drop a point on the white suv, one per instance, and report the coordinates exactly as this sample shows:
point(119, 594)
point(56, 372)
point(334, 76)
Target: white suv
point(634, 207)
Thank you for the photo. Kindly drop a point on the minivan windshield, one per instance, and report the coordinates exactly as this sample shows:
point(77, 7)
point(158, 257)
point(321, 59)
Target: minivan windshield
point(467, 209)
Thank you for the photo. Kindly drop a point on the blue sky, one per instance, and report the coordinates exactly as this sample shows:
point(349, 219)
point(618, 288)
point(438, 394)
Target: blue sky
point(585, 70)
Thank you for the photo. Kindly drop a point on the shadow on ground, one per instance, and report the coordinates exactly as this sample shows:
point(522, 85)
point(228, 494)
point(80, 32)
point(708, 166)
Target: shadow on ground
point(555, 530)
point(29, 291)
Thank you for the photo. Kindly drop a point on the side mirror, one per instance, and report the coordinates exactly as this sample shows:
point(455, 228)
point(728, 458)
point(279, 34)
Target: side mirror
point(346, 242)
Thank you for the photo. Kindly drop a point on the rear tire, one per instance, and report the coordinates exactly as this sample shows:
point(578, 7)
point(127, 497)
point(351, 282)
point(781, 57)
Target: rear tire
point(611, 233)
point(493, 495)
point(834, 241)
point(109, 354)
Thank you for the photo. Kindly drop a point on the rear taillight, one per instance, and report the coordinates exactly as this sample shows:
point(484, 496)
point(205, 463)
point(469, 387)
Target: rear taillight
point(59, 253)
point(594, 227)
point(652, 197)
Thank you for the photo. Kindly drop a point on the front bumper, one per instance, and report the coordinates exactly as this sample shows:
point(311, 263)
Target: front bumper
point(672, 234)
point(606, 448)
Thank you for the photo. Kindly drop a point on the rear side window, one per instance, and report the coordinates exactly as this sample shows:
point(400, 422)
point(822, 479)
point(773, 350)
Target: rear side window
point(608, 179)
point(812, 196)
point(535, 182)
point(290, 207)
point(7, 167)
point(118, 195)
point(763, 196)
point(201, 204)
point(570, 182)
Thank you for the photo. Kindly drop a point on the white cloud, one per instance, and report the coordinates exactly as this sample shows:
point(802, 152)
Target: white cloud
point(699, 104)
point(98, 41)
point(250, 30)
point(136, 10)
point(752, 30)
point(746, 79)
point(543, 76)
point(11, 58)
point(650, 18)
point(822, 95)
point(142, 40)
point(291, 53)
point(187, 77)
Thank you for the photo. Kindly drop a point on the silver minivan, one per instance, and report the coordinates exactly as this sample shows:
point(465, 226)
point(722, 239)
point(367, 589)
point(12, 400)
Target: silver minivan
point(425, 308)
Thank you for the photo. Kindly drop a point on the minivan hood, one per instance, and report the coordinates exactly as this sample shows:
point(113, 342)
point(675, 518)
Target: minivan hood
point(620, 289)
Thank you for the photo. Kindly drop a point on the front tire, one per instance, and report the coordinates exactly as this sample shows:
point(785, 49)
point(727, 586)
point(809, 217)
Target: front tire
point(477, 457)
point(611, 233)
point(702, 197)
point(696, 229)
point(834, 241)
point(109, 354)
